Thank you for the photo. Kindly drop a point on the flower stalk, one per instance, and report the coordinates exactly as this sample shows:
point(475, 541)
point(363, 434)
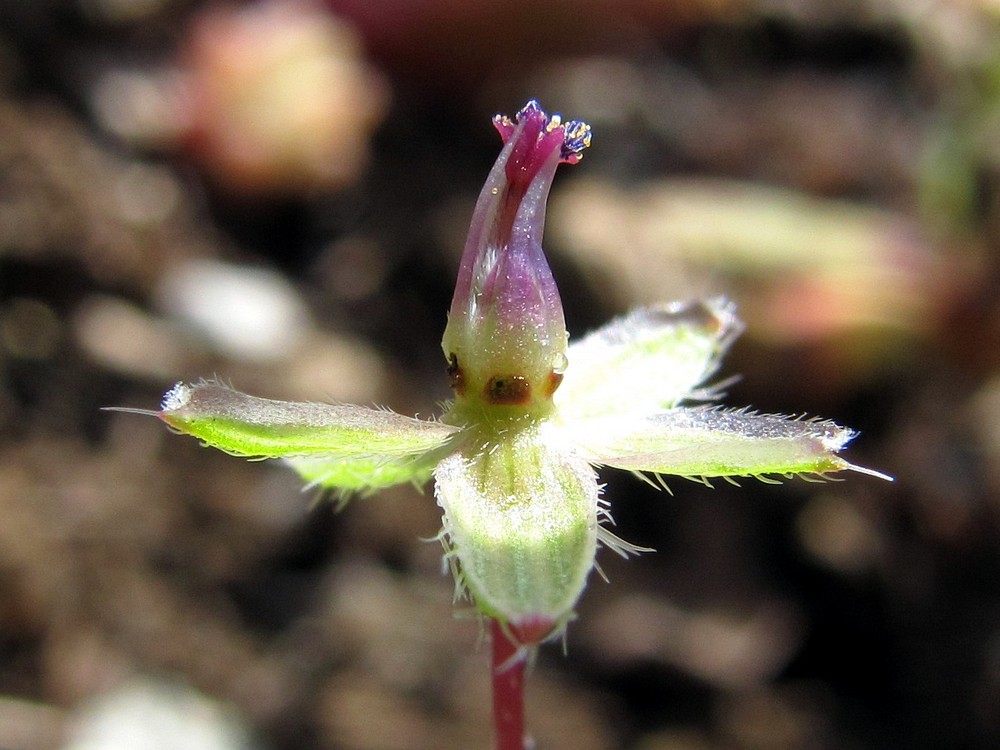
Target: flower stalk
point(507, 670)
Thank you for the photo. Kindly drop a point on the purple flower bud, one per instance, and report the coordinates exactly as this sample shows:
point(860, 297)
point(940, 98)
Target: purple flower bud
point(506, 336)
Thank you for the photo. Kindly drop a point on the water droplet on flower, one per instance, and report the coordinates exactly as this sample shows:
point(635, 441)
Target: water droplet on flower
point(559, 363)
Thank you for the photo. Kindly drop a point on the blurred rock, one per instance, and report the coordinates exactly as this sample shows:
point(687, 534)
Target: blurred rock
point(146, 714)
point(837, 533)
point(124, 338)
point(256, 317)
point(726, 649)
point(249, 314)
point(29, 329)
point(334, 367)
point(27, 725)
point(790, 717)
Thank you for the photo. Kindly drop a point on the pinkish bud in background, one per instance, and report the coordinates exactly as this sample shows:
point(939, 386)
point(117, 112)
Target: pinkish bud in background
point(277, 98)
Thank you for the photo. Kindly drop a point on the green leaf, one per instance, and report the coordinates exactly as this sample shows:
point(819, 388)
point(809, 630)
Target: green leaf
point(715, 442)
point(332, 445)
point(648, 360)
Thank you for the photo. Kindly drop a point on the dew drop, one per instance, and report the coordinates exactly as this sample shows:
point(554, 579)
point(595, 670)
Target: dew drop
point(559, 363)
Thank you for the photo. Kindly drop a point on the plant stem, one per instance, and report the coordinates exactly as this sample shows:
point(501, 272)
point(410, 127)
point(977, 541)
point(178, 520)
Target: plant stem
point(508, 690)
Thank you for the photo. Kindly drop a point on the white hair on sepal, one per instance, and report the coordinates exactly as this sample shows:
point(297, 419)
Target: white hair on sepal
point(176, 397)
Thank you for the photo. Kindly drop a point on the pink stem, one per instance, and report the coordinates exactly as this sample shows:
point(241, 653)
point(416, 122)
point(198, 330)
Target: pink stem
point(508, 691)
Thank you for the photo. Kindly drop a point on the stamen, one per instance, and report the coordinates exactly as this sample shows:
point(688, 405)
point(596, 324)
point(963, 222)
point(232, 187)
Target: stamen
point(576, 134)
point(576, 137)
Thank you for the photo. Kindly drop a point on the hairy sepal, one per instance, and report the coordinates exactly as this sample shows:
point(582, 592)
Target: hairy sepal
point(716, 442)
point(364, 475)
point(648, 360)
point(520, 521)
point(332, 445)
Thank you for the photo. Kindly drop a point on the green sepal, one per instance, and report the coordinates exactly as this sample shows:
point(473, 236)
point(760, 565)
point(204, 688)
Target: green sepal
point(348, 447)
point(363, 475)
point(646, 361)
point(520, 523)
point(716, 442)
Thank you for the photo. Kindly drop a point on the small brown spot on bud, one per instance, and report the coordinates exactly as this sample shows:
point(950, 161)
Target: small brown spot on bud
point(508, 390)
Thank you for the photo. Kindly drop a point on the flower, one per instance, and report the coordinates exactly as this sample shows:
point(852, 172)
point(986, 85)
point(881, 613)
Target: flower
point(513, 455)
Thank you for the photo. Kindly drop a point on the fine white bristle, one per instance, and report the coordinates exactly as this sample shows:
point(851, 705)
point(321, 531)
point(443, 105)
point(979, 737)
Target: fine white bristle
point(176, 397)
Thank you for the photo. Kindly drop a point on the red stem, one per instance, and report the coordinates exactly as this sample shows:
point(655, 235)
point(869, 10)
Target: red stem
point(508, 691)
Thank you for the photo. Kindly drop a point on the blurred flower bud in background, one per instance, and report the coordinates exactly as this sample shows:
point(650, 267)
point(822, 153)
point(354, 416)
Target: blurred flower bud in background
point(278, 97)
point(269, 98)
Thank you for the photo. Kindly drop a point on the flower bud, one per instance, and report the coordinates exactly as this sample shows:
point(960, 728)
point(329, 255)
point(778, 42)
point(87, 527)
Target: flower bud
point(506, 336)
